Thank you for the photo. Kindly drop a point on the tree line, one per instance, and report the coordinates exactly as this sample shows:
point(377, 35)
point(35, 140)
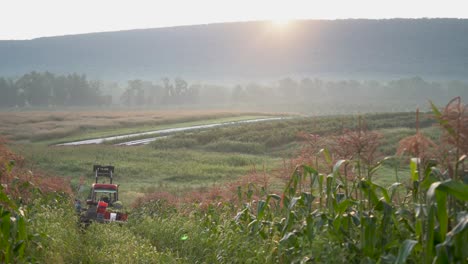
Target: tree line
point(48, 89)
point(44, 89)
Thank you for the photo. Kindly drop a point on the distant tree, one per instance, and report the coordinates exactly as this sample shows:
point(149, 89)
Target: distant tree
point(81, 91)
point(168, 90)
point(194, 93)
point(256, 91)
point(127, 97)
point(238, 94)
point(213, 94)
point(181, 87)
point(95, 97)
point(61, 94)
point(138, 92)
point(410, 87)
point(36, 87)
point(179, 92)
point(8, 93)
point(155, 94)
point(288, 87)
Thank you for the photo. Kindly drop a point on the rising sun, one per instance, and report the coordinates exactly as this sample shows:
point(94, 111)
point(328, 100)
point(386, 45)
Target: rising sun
point(280, 22)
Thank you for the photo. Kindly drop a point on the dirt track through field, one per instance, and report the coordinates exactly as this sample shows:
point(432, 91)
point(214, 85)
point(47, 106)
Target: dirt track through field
point(160, 133)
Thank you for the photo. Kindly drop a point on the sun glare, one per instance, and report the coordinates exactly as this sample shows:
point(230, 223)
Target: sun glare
point(280, 22)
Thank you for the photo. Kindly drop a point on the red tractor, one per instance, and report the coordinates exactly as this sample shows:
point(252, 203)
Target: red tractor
point(103, 201)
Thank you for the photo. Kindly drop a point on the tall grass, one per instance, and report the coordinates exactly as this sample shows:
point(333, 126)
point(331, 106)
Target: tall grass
point(50, 126)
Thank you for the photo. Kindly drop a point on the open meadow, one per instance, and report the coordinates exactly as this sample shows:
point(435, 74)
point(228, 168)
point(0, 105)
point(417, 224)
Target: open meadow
point(45, 126)
point(187, 161)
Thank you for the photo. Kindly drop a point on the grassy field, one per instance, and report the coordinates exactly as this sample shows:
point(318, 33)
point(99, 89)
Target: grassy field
point(196, 159)
point(143, 169)
point(59, 126)
point(140, 169)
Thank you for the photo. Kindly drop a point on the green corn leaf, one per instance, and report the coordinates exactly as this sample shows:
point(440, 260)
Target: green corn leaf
point(430, 179)
point(4, 199)
point(383, 190)
point(392, 189)
point(341, 207)
point(308, 199)
point(327, 155)
point(455, 239)
point(310, 170)
point(19, 248)
point(369, 235)
point(253, 225)
point(443, 123)
point(287, 238)
point(405, 251)
point(261, 209)
point(442, 214)
point(379, 164)
point(369, 191)
point(330, 196)
point(336, 167)
point(437, 193)
point(414, 169)
point(274, 196)
point(294, 201)
point(288, 222)
point(310, 228)
point(429, 239)
point(5, 225)
point(457, 189)
point(337, 223)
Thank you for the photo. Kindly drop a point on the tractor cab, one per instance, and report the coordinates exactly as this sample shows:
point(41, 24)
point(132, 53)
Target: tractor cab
point(107, 192)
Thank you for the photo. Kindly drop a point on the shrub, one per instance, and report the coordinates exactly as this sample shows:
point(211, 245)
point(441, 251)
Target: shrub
point(174, 142)
point(235, 146)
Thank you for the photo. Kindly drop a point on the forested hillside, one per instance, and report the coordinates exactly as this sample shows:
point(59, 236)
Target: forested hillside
point(434, 48)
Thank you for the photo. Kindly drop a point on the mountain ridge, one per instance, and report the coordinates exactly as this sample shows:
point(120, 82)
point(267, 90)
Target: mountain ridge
point(431, 48)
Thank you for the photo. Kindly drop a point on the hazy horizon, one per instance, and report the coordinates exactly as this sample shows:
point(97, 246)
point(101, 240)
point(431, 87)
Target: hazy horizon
point(30, 20)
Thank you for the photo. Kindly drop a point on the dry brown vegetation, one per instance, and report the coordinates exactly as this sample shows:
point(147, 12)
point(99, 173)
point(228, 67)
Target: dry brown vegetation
point(44, 125)
point(257, 183)
point(20, 183)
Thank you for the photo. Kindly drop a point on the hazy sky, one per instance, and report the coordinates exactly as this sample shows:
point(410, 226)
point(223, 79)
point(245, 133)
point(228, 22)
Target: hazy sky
point(26, 19)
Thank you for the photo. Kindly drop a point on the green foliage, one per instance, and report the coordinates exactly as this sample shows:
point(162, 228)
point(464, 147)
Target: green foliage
point(13, 235)
point(236, 146)
point(141, 167)
point(56, 233)
point(111, 243)
point(274, 137)
point(211, 237)
point(43, 89)
point(323, 218)
point(174, 143)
